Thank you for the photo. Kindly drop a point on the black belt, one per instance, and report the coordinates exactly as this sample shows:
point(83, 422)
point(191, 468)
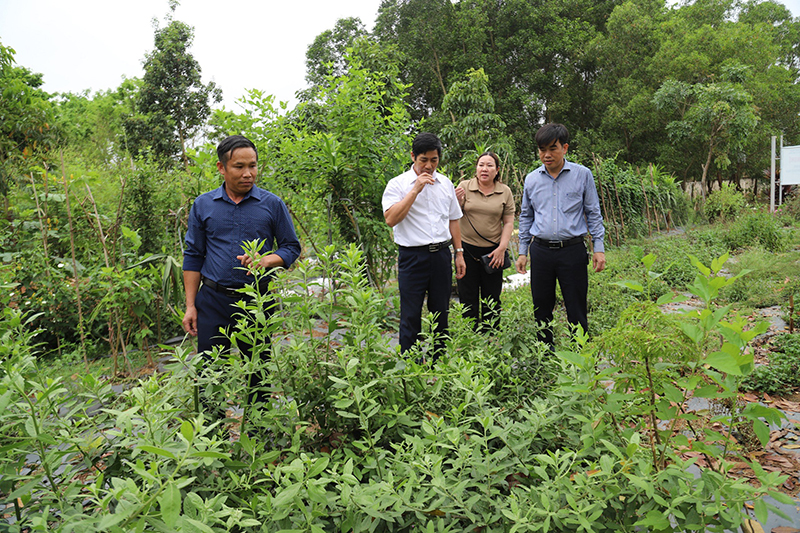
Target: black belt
point(432, 248)
point(232, 292)
point(558, 244)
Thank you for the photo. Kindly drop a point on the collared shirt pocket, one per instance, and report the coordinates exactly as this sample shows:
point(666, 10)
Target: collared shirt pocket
point(573, 202)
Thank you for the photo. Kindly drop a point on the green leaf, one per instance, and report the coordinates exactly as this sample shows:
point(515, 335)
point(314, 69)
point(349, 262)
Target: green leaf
point(571, 357)
point(762, 431)
point(199, 525)
point(215, 455)
point(716, 264)
point(699, 266)
point(673, 393)
point(170, 503)
point(157, 451)
point(724, 363)
point(187, 430)
point(638, 287)
point(760, 508)
point(654, 519)
point(286, 496)
point(319, 466)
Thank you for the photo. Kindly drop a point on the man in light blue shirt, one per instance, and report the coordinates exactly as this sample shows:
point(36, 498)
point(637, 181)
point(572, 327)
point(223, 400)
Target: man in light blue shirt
point(559, 207)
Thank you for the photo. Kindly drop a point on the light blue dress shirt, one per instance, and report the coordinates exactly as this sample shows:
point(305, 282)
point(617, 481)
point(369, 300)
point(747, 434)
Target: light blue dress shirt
point(561, 208)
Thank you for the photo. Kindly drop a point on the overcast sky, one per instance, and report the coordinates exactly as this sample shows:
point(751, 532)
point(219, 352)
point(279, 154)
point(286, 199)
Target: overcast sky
point(240, 44)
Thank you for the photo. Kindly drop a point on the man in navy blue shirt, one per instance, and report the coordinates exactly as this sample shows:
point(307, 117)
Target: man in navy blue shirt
point(559, 207)
point(219, 222)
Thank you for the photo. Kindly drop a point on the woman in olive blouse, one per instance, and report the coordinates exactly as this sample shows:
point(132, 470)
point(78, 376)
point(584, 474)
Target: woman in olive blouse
point(486, 227)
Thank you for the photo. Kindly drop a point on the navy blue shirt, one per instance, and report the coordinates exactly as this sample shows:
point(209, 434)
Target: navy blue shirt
point(218, 227)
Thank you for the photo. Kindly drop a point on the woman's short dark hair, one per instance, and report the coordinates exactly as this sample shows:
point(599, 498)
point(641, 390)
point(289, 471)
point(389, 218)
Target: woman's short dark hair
point(229, 144)
point(424, 143)
point(549, 133)
point(496, 162)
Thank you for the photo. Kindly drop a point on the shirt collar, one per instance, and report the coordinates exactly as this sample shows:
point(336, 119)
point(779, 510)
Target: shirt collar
point(472, 185)
point(221, 194)
point(567, 167)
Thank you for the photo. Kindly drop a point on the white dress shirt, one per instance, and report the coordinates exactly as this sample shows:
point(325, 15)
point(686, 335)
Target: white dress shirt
point(427, 222)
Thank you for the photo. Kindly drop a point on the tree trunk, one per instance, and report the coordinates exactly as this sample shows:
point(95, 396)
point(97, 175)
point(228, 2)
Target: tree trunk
point(705, 171)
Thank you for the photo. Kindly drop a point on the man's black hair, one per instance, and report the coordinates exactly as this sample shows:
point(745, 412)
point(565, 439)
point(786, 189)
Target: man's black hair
point(229, 144)
point(549, 133)
point(425, 142)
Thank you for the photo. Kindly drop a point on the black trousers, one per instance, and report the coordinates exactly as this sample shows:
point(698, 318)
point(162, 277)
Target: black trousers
point(215, 311)
point(478, 290)
point(422, 273)
point(568, 266)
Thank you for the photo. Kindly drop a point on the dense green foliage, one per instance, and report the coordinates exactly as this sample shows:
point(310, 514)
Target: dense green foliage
point(97, 189)
point(499, 433)
point(783, 371)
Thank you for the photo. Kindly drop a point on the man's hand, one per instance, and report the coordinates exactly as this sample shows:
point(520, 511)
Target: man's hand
point(263, 261)
point(190, 321)
point(421, 181)
point(522, 262)
point(461, 266)
point(598, 261)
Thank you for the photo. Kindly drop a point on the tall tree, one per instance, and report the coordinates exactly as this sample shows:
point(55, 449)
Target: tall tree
point(94, 124)
point(26, 118)
point(716, 118)
point(173, 103)
point(326, 55)
point(476, 127)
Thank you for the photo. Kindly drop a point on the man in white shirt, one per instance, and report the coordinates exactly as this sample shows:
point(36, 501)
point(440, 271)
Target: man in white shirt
point(422, 208)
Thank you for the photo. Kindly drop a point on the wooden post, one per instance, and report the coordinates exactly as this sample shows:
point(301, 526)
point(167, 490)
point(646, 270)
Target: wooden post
point(646, 210)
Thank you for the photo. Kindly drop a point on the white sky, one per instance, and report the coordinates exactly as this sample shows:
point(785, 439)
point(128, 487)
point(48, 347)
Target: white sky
point(240, 44)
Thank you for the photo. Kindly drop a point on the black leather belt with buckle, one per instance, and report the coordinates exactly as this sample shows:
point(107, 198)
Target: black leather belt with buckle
point(232, 292)
point(432, 248)
point(558, 244)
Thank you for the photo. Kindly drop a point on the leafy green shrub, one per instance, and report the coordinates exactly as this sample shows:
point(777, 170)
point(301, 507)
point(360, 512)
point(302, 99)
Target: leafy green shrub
point(638, 202)
point(758, 228)
point(355, 438)
point(724, 204)
point(782, 374)
point(791, 207)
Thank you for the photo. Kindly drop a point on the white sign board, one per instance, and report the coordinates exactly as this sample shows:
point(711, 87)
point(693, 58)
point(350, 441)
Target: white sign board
point(790, 165)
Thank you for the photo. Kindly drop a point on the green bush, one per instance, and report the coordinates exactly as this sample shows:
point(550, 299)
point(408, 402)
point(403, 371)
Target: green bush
point(782, 374)
point(497, 435)
point(758, 228)
point(724, 204)
point(791, 207)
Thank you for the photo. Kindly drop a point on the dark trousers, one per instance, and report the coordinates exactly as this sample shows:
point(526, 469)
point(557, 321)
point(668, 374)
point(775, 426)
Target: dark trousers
point(421, 272)
point(478, 290)
point(568, 266)
point(215, 311)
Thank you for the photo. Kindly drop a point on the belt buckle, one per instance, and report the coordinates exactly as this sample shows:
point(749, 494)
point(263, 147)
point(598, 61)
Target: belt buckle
point(433, 248)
